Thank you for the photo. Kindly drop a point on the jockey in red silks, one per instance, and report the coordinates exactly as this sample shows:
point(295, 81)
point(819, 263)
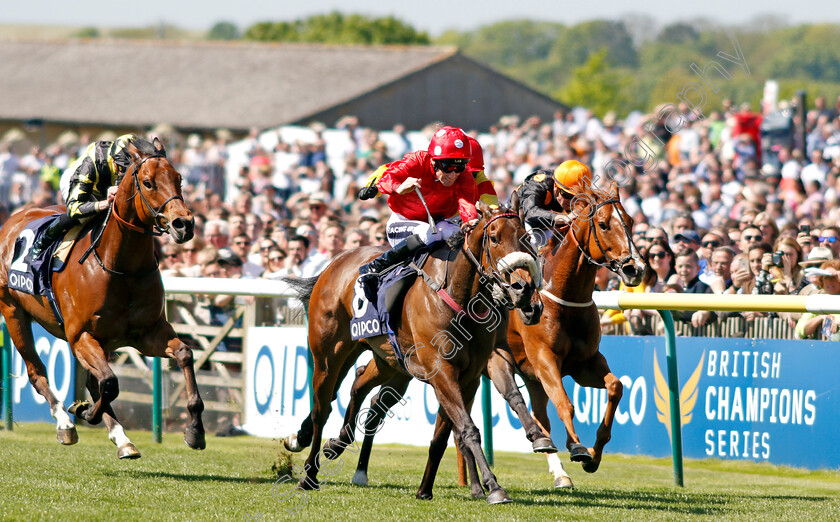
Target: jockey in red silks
point(441, 176)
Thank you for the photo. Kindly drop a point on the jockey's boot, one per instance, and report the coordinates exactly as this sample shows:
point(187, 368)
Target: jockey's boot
point(402, 251)
point(53, 232)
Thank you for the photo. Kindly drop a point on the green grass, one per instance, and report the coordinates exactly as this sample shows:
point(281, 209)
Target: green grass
point(39, 479)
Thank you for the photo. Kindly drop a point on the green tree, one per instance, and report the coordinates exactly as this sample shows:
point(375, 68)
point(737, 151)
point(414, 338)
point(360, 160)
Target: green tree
point(87, 32)
point(598, 87)
point(337, 28)
point(678, 33)
point(224, 31)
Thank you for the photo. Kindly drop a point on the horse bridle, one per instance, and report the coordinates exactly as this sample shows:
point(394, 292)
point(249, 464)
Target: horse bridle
point(493, 274)
point(157, 214)
point(613, 264)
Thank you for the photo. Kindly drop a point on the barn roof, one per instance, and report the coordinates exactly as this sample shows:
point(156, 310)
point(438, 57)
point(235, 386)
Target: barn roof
point(194, 85)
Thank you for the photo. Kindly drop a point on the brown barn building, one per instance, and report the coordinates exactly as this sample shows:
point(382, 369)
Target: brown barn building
point(89, 86)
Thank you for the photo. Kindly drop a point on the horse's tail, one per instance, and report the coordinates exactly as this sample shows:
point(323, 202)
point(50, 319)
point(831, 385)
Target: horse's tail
point(301, 286)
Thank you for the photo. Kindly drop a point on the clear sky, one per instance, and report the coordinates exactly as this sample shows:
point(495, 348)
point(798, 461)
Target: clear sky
point(433, 16)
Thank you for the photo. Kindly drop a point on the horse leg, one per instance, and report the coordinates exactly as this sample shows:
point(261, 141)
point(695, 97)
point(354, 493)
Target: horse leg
point(539, 403)
point(500, 369)
point(367, 378)
point(379, 405)
point(597, 375)
point(548, 373)
point(164, 342)
point(324, 383)
point(450, 395)
point(19, 324)
point(476, 491)
point(297, 442)
point(437, 447)
point(116, 433)
point(89, 352)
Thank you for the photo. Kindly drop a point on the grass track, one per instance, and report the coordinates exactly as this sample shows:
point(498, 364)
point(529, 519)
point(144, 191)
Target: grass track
point(39, 479)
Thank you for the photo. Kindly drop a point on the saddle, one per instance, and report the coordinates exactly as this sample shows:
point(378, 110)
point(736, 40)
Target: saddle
point(378, 302)
point(34, 275)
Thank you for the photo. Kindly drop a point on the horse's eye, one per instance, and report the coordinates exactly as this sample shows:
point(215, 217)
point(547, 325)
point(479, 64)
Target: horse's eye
point(602, 225)
point(147, 184)
point(494, 239)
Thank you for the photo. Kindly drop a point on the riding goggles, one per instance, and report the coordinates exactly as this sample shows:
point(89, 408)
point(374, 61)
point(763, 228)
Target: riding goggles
point(452, 164)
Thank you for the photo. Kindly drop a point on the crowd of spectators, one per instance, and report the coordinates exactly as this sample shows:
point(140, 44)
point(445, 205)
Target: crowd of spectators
point(715, 209)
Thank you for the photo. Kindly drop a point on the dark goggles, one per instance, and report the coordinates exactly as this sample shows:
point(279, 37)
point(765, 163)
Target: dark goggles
point(452, 164)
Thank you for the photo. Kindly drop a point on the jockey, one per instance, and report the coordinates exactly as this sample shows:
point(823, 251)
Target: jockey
point(440, 175)
point(88, 186)
point(546, 200)
point(486, 192)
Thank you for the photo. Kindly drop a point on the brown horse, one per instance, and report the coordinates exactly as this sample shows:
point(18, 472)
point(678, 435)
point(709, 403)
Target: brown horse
point(564, 342)
point(111, 298)
point(449, 344)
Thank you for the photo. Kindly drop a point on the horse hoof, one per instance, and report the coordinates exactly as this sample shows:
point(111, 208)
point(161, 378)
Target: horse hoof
point(78, 408)
point(360, 478)
point(422, 495)
point(309, 484)
point(128, 451)
point(563, 483)
point(579, 453)
point(544, 445)
point(591, 466)
point(329, 450)
point(291, 443)
point(477, 494)
point(195, 439)
point(67, 436)
point(498, 496)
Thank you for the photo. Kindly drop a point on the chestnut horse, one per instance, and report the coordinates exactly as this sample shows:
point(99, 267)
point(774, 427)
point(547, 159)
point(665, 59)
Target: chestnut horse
point(109, 299)
point(566, 340)
point(567, 343)
point(492, 258)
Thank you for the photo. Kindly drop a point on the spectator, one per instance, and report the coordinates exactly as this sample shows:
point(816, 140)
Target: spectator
point(355, 238)
point(661, 259)
point(377, 235)
point(788, 275)
point(331, 241)
point(298, 246)
point(240, 245)
point(830, 238)
point(687, 277)
point(721, 263)
point(750, 236)
point(813, 326)
point(216, 233)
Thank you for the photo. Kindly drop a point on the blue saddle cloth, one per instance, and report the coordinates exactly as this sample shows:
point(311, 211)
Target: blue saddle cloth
point(33, 276)
point(377, 302)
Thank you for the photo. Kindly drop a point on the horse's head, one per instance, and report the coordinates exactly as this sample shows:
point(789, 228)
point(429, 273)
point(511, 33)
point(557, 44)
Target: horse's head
point(507, 260)
point(603, 232)
point(154, 187)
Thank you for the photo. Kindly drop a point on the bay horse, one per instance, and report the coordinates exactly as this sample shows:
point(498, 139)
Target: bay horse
point(565, 341)
point(109, 299)
point(448, 343)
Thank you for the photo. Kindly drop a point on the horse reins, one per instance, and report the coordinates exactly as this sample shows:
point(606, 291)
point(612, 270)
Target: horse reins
point(613, 264)
point(157, 229)
point(493, 274)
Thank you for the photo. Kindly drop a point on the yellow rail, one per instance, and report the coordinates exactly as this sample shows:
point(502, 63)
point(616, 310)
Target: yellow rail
point(817, 303)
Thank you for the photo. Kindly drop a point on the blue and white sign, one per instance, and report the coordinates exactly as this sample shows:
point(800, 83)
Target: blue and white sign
point(28, 405)
point(277, 391)
point(740, 399)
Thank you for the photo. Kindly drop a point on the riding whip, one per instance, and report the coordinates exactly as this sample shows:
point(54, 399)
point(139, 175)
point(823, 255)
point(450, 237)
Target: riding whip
point(423, 201)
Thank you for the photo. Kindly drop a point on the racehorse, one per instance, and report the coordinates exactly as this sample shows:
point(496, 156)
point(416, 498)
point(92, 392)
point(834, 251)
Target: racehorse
point(109, 299)
point(449, 343)
point(564, 342)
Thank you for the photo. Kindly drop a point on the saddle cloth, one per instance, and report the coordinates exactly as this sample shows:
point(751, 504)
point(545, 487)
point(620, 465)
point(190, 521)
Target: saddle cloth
point(377, 302)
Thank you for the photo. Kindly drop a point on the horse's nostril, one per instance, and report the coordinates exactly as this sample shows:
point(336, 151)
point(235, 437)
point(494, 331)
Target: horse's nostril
point(629, 270)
